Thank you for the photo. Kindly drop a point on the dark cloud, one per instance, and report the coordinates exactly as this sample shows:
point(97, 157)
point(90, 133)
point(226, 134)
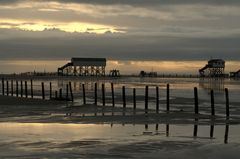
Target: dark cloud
point(120, 47)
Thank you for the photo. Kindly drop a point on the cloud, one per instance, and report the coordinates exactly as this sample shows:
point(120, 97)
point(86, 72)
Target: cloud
point(115, 46)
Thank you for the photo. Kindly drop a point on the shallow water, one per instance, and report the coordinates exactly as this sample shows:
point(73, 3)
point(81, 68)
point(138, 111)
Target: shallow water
point(37, 140)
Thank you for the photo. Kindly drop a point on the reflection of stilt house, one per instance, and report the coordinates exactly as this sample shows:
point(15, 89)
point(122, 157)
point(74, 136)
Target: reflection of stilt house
point(214, 68)
point(84, 67)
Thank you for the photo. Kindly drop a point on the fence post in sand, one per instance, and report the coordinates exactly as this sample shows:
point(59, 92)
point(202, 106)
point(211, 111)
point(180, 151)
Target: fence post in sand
point(21, 86)
point(12, 87)
point(124, 96)
point(84, 95)
point(71, 93)
point(16, 88)
point(7, 88)
point(3, 91)
point(157, 100)
point(26, 89)
point(227, 102)
point(60, 93)
point(67, 94)
point(56, 94)
point(113, 98)
point(146, 99)
point(50, 90)
point(43, 91)
point(103, 94)
point(196, 99)
point(95, 94)
point(31, 82)
point(212, 103)
point(168, 95)
point(134, 99)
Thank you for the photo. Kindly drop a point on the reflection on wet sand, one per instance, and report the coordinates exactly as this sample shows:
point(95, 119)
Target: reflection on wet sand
point(216, 84)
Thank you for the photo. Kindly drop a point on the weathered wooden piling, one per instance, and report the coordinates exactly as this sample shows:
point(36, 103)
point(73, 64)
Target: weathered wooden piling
point(43, 91)
point(31, 85)
point(95, 94)
point(67, 92)
point(195, 130)
point(84, 95)
point(168, 96)
point(12, 87)
point(21, 87)
point(211, 130)
point(3, 89)
point(146, 99)
point(134, 99)
point(212, 103)
point(16, 88)
point(7, 88)
point(26, 90)
point(196, 100)
point(50, 90)
point(124, 96)
point(56, 94)
point(60, 93)
point(103, 94)
point(113, 98)
point(71, 93)
point(157, 99)
point(226, 134)
point(227, 102)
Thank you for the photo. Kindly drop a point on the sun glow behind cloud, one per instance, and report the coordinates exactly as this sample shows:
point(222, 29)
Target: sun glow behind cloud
point(80, 27)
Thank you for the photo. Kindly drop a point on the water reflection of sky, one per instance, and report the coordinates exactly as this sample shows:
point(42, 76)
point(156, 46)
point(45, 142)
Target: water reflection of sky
point(24, 139)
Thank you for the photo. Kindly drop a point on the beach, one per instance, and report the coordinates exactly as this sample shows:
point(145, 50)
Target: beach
point(36, 128)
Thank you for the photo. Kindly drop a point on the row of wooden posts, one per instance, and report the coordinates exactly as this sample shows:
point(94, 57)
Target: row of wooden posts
point(24, 87)
point(69, 88)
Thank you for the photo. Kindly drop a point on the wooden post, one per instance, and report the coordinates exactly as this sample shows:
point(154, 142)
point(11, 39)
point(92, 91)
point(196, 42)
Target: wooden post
point(17, 88)
point(71, 93)
point(146, 100)
point(26, 89)
point(50, 90)
point(60, 93)
point(212, 103)
point(95, 94)
point(226, 134)
point(31, 88)
point(56, 94)
point(7, 89)
point(3, 91)
point(67, 94)
point(12, 87)
point(211, 130)
point(134, 99)
point(227, 102)
point(168, 96)
point(196, 99)
point(21, 88)
point(43, 91)
point(157, 100)
point(84, 95)
point(103, 94)
point(113, 98)
point(123, 96)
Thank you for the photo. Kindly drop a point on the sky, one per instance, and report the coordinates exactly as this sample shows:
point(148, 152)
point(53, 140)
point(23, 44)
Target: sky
point(130, 30)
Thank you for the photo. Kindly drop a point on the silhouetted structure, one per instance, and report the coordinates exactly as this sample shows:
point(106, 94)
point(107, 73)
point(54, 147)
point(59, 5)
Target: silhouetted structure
point(214, 68)
point(84, 67)
point(235, 74)
point(146, 74)
point(114, 73)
